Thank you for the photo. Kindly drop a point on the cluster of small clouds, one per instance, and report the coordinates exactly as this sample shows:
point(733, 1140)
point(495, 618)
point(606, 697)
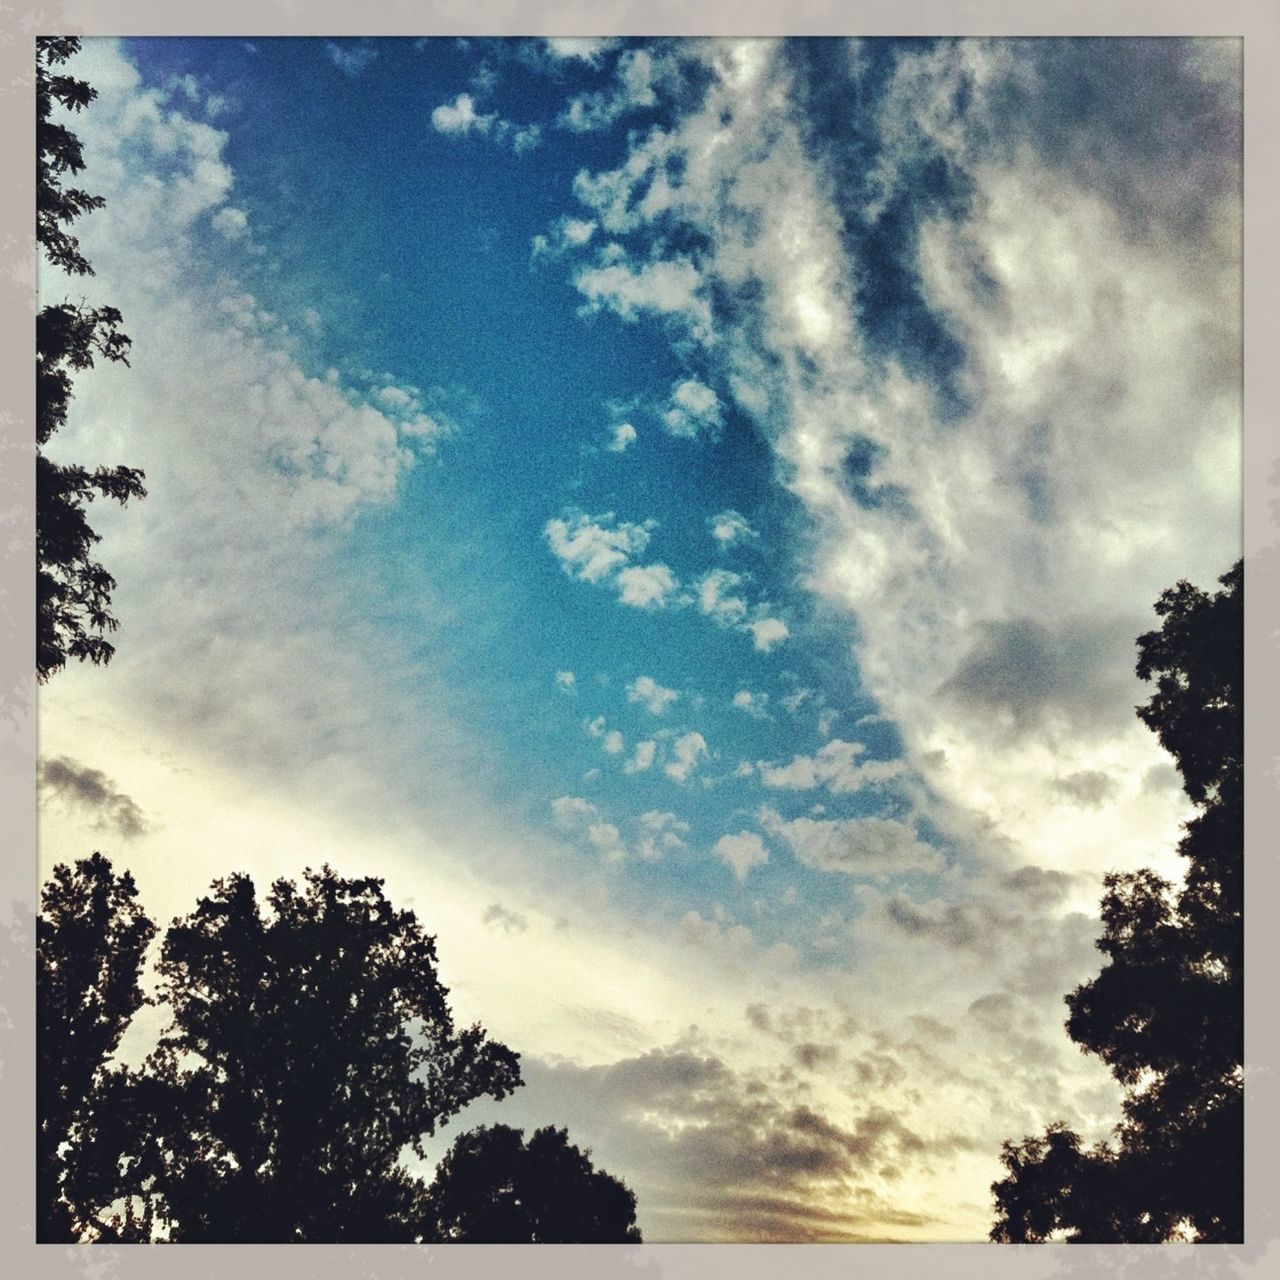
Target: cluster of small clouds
point(716, 600)
point(655, 833)
point(459, 119)
point(599, 550)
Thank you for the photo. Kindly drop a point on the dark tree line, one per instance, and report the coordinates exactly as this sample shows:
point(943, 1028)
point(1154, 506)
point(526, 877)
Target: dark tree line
point(309, 1048)
point(1166, 1013)
point(73, 590)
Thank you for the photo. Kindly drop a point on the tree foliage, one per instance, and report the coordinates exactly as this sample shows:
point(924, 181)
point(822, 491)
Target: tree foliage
point(310, 1047)
point(90, 940)
point(73, 591)
point(1166, 1013)
point(492, 1188)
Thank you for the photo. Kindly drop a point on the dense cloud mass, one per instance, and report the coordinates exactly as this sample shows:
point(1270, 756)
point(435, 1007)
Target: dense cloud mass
point(698, 557)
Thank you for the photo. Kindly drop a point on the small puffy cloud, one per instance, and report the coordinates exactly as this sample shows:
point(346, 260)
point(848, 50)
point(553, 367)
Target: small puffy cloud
point(647, 691)
point(623, 434)
point(755, 705)
point(231, 223)
point(729, 527)
point(793, 700)
point(768, 632)
point(564, 234)
point(589, 549)
point(642, 759)
point(497, 916)
point(834, 765)
point(91, 790)
point(350, 59)
point(646, 587)
point(695, 410)
point(715, 601)
point(459, 117)
point(566, 680)
point(613, 742)
point(607, 839)
point(874, 847)
point(588, 49)
point(741, 852)
point(573, 811)
point(687, 751)
point(669, 286)
point(660, 833)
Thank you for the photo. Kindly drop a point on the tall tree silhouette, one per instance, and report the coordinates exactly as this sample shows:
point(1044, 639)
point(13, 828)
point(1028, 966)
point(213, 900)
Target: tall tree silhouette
point(90, 940)
point(73, 591)
point(309, 1048)
point(1166, 1013)
point(492, 1188)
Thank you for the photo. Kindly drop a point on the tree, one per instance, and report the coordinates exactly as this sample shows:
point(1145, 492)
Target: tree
point(73, 591)
point(309, 1048)
point(91, 937)
point(1166, 1013)
point(491, 1188)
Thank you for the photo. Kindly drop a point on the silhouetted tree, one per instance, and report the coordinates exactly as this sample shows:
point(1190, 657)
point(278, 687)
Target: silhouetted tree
point(1167, 1012)
point(91, 937)
point(73, 591)
point(493, 1189)
point(309, 1048)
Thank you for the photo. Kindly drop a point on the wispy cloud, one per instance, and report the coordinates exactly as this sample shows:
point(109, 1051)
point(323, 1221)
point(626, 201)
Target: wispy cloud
point(351, 59)
point(91, 790)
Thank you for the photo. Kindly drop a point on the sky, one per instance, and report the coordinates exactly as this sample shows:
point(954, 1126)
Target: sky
point(681, 512)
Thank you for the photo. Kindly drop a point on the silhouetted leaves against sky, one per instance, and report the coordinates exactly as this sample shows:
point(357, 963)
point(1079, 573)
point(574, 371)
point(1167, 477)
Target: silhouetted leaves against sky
point(492, 1188)
point(1167, 1011)
point(309, 1047)
point(91, 938)
point(73, 591)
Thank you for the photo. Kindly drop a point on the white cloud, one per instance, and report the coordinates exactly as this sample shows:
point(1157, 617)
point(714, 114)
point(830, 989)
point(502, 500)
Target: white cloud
point(768, 633)
point(623, 435)
point(350, 59)
point(872, 847)
point(688, 751)
point(459, 117)
point(660, 833)
point(646, 586)
point(835, 765)
point(573, 811)
point(714, 601)
point(608, 840)
point(729, 527)
point(665, 287)
point(231, 223)
point(755, 705)
point(613, 742)
point(741, 852)
point(643, 757)
point(695, 410)
point(566, 680)
point(563, 235)
point(647, 691)
point(590, 550)
point(588, 49)
point(638, 73)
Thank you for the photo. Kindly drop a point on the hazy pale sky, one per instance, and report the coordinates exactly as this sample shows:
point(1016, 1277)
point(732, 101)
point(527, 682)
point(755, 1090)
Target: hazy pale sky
point(681, 512)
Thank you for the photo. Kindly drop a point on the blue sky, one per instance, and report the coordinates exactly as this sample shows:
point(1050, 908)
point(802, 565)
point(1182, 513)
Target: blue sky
point(681, 510)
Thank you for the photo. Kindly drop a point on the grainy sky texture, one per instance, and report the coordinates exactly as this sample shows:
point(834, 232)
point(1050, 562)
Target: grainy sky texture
point(681, 512)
